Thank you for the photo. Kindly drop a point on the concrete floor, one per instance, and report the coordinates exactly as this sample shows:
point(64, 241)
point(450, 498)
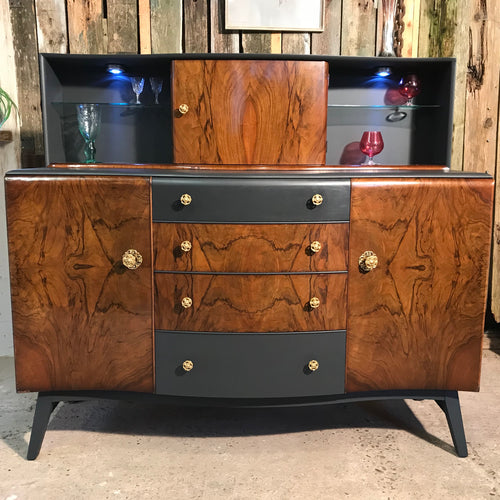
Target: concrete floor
point(386, 450)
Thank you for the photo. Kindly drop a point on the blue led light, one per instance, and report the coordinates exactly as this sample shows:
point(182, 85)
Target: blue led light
point(383, 71)
point(115, 69)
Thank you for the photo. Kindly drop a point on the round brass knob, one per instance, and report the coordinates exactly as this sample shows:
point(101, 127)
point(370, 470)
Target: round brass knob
point(313, 365)
point(314, 302)
point(183, 109)
point(186, 199)
point(317, 199)
point(368, 261)
point(187, 365)
point(187, 302)
point(315, 246)
point(132, 259)
point(186, 246)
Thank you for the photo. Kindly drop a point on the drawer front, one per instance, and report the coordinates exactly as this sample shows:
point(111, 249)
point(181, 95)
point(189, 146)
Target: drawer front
point(240, 248)
point(250, 303)
point(243, 365)
point(250, 200)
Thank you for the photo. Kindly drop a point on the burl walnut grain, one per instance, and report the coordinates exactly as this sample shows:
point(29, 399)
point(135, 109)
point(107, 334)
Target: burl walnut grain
point(81, 320)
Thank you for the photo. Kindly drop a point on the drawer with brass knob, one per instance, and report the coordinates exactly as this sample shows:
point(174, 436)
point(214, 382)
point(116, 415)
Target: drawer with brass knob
point(246, 365)
point(272, 247)
point(250, 303)
point(250, 198)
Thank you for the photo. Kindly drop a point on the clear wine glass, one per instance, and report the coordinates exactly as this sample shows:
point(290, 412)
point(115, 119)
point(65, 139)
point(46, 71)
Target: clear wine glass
point(156, 86)
point(409, 87)
point(89, 123)
point(137, 86)
point(371, 144)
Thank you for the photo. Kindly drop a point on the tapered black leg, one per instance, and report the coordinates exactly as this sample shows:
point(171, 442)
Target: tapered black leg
point(45, 405)
point(451, 407)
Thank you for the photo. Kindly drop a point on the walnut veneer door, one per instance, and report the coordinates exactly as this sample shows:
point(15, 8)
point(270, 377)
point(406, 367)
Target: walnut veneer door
point(416, 320)
point(81, 319)
point(249, 112)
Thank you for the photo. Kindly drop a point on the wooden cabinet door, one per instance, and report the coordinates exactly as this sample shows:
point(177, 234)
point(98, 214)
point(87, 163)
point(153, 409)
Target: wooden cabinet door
point(249, 112)
point(416, 320)
point(82, 321)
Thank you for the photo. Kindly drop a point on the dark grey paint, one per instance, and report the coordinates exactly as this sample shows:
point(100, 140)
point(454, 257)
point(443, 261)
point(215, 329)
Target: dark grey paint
point(249, 365)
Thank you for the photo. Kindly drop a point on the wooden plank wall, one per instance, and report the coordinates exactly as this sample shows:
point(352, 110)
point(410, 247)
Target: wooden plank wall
point(466, 29)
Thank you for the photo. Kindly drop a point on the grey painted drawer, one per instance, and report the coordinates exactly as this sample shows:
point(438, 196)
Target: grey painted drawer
point(243, 365)
point(250, 200)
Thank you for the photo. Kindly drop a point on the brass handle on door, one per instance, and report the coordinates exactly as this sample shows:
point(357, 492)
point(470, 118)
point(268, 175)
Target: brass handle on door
point(368, 261)
point(131, 259)
point(183, 109)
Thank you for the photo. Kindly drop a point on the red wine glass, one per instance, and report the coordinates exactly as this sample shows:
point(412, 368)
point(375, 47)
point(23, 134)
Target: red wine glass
point(409, 87)
point(371, 144)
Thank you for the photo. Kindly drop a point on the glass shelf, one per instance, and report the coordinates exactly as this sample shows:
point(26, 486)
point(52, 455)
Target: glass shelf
point(383, 106)
point(61, 106)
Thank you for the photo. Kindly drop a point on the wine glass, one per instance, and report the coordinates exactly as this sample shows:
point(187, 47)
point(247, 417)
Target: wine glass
point(409, 87)
point(89, 123)
point(156, 86)
point(371, 144)
point(137, 86)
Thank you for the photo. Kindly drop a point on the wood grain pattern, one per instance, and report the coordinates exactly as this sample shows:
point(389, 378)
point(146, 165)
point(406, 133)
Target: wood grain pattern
point(250, 112)
point(166, 26)
point(123, 36)
point(296, 43)
point(51, 26)
point(86, 31)
point(81, 319)
point(250, 248)
point(359, 21)
point(416, 321)
point(144, 13)
point(221, 40)
point(257, 43)
point(196, 26)
point(250, 303)
point(328, 41)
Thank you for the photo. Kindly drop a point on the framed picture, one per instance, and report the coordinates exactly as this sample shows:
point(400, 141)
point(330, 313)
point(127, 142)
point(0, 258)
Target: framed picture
point(275, 15)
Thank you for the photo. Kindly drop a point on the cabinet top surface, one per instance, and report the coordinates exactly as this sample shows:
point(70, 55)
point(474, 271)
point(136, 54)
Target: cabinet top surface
point(253, 172)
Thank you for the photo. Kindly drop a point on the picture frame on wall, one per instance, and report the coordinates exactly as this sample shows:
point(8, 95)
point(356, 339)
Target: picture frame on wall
point(275, 15)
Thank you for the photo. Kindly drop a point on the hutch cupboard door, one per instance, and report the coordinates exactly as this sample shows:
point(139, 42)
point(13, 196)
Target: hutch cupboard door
point(249, 112)
point(82, 320)
point(416, 320)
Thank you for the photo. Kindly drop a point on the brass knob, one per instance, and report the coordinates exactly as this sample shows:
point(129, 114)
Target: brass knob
point(132, 259)
point(183, 109)
point(317, 199)
point(314, 302)
point(315, 246)
point(186, 246)
point(186, 199)
point(187, 302)
point(313, 365)
point(187, 365)
point(368, 261)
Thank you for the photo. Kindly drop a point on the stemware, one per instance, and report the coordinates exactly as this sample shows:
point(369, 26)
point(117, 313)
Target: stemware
point(156, 86)
point(371, 144)
point(409, 87)
point(89, 123)
point(137, 86)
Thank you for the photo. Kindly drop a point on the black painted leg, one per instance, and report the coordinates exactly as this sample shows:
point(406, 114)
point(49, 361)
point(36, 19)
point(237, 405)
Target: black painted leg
point(45, 405)
point(451, 407)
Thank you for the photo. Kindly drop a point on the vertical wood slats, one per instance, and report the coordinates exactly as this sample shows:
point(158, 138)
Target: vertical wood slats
point(358, 28)
point(122, 26)
point(328, 41)
point(86, 32)
point(166, 26)
point(195, 26)
point(51, 26)
point(221, 40)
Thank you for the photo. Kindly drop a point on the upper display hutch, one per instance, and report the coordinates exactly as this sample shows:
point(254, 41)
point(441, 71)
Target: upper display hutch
point(345, 93)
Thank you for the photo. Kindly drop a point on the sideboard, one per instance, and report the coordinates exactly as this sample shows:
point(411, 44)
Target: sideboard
point(246, 270)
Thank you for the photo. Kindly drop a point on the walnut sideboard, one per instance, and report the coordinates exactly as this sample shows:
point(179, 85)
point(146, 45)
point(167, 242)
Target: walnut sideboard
point(262, 286)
